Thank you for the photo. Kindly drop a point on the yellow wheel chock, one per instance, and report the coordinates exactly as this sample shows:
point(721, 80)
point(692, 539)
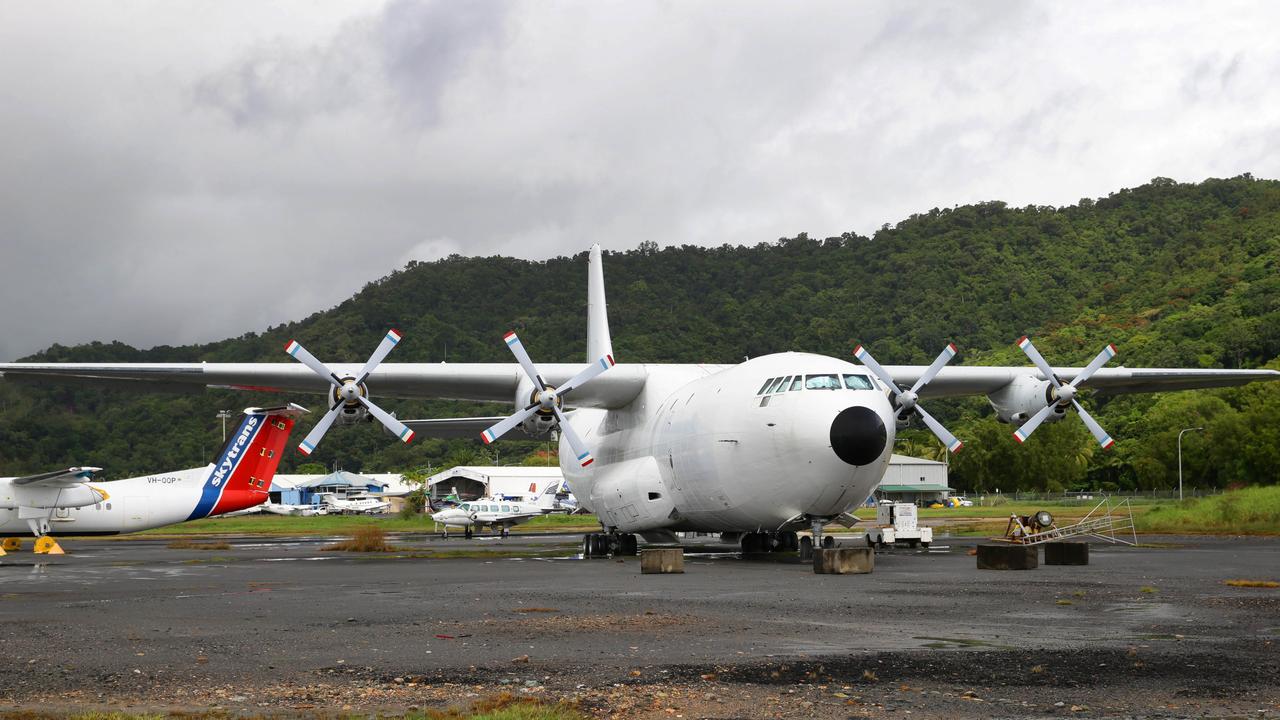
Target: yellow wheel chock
point(11, 543)
point(46, 545)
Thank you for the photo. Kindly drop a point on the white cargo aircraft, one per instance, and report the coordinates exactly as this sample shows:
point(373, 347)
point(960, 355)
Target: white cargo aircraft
point(69, 502)
point(758, 449)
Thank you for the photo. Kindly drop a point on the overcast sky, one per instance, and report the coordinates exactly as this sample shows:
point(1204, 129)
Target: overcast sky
point(173, 172)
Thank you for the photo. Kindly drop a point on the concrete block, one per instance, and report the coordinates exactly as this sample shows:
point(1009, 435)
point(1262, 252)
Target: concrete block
point(1066, 553)
point(1001, 556)
point(843, 561)
point(661, 560)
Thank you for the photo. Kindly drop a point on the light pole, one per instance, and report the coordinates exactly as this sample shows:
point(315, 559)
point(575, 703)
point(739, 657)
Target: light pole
point(1186, 430)
point(224, 414)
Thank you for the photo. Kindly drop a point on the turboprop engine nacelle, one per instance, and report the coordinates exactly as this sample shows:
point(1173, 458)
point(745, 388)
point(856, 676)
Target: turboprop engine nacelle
point(539, 424)
point(1023, 397)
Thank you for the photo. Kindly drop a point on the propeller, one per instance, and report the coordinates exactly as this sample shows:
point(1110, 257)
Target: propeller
point(1065, 394)
point(548, 399)
point(908, 401)
point(348, 391)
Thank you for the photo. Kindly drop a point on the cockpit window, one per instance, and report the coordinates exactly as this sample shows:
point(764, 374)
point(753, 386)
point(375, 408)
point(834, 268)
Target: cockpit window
point(465, 506)
point(765, 386)
point(858, 382)
point(822, 382)
point(797, 384)
point(776, 383)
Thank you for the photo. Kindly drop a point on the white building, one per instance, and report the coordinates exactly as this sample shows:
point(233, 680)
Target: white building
point(914, 480)
point(469, 482)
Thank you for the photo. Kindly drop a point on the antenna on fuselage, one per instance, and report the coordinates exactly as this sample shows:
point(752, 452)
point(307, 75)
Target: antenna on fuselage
point(599, 344)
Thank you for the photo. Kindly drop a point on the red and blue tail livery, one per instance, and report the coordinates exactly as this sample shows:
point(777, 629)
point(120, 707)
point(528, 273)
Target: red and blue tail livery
point(242, 473)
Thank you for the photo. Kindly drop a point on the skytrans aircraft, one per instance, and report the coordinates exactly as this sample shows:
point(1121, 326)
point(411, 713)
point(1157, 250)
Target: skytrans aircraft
point(69, 502)
point(756, 450)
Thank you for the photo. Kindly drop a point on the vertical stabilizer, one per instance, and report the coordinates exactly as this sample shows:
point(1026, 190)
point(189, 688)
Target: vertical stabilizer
point(599, 343)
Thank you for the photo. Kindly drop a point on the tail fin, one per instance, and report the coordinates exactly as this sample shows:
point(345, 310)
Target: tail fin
point(241, 476)
point(599, 343)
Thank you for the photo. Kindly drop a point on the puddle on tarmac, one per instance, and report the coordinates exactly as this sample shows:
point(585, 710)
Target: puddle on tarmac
point(943, 643)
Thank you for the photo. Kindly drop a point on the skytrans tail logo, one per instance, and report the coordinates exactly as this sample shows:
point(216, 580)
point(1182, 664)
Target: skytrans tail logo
point(233, 453)
point(226, 467)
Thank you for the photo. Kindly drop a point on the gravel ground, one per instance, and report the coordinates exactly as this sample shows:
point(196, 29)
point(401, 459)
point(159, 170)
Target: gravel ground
point(281, 627)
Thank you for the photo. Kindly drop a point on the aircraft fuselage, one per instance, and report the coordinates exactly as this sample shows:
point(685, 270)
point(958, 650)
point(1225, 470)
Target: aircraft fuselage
point(708, 448)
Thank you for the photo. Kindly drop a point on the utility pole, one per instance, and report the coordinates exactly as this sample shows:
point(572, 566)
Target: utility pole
point(1185, 430)
point(224, 414)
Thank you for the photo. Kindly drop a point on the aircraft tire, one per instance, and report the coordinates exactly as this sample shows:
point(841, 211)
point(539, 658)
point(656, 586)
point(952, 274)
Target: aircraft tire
point(627, 544)
point(828, 542)
point(806, 548)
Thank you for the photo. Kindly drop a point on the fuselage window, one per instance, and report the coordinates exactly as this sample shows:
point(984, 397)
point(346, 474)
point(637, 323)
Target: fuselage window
point(506, 508)
point(765, 386)
point(858, 382)
point(797, 384)
point(822, 382)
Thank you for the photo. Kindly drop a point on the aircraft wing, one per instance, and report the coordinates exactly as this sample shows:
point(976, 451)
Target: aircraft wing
point(465, 381)
point(973, 380)
point(469, 427)
point(59, 478)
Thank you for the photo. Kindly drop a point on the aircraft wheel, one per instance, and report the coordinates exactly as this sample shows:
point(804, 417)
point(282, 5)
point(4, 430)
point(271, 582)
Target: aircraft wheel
point(787, 542)
point(828, 542)
point(924, 545)
point(627, 544)
point(506, 532)
point(467, 533)
point(870, 542)
point(806, 548)
point(754, 543)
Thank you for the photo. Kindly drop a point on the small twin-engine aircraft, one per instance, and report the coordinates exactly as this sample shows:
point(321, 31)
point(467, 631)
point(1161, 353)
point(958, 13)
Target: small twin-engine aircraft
point(497, 513)
point(354, 504)
point(756, 450)
point(70, 502)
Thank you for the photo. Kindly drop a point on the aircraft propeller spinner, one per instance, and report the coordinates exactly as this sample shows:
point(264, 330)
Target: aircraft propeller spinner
point(548, 399)
point(348, 391)
point(1065, 393)
point(908, 401)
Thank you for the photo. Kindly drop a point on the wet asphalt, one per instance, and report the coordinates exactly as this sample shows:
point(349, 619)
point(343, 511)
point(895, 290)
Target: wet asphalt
point(282, 609)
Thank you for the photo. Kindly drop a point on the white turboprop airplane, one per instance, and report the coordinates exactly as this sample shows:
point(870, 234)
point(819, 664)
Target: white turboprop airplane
point(758, 449)
point(497, 513)
point(352, 505)
point(68, 502)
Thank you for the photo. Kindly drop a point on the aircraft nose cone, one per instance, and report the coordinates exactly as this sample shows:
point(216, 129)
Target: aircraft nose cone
point(858, 435)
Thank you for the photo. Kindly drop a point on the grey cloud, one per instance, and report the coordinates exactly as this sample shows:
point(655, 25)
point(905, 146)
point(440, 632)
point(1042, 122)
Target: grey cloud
point(176, 160)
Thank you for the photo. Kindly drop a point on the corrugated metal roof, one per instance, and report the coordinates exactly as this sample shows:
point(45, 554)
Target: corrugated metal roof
point(922, 487)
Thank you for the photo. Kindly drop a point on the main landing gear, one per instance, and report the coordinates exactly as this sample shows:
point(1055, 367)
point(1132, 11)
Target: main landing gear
point(755, 543)
point(807, 544)
point(602, 545)
point(45, 544)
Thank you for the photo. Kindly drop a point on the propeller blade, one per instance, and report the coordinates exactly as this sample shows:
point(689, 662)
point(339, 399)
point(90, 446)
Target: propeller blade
point(300, 354)
point(579, 448)
point(502, 428)
point(388, 344)
point(1107, 353)
point(522, 356)
point(865, 358)
point(308, 445)
point(943, 358)
point(953, 445)
point(1038, 359)
point(400, 429)
point(587, 373)
point(1030, 426)
point(1098, 433)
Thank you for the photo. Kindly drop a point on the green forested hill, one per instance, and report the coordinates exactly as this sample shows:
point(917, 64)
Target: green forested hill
point(1174, 274)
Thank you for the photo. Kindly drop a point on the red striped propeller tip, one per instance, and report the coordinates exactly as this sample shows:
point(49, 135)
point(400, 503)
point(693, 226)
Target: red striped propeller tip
point(1021, 340)
point(953, 347)
point(857, 350)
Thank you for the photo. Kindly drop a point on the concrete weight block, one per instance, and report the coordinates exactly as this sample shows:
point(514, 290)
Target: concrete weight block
point(999, 556)
point(1066, 553)
point(843, 561)
point(661, 561)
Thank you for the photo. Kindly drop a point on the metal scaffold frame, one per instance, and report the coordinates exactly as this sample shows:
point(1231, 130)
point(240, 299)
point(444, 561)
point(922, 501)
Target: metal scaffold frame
point(1106, 521)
